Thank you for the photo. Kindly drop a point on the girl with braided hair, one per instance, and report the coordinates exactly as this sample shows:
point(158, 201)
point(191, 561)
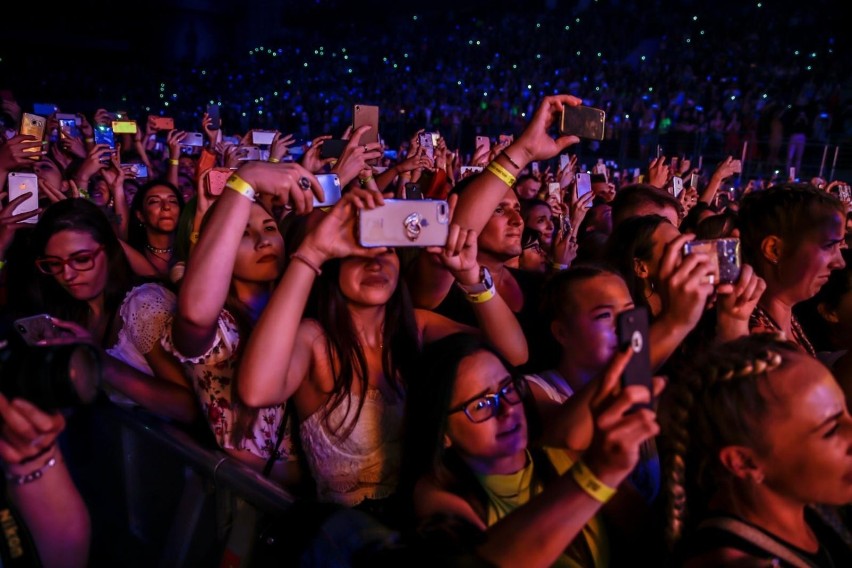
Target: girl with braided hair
point(760, 443)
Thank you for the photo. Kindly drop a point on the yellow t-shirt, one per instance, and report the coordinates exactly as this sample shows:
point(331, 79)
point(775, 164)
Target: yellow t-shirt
point(510, 491)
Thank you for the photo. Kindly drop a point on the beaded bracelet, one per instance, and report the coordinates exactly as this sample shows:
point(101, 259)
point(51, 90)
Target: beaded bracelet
point(588, 482)
point(240, 185)
point(33, 475)
point(502, 173)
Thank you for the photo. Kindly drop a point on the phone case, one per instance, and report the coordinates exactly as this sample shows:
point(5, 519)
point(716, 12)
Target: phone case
point(215, 179)
point(104, 135)
point(366, 114)
point(483, 141)
point(163, 122)
point(426, 143)
point(332, 148)
point(584, 184)
point(632, 330)
point(33, 125)
point(677, 185)
point(582, 121)
point(213, 113)
point(331, 190)
point(36, 328)
point(124, 126)
point(249, 153)
point(725, 257)
point(20, 183)
point(412, 191)
point(405, 223)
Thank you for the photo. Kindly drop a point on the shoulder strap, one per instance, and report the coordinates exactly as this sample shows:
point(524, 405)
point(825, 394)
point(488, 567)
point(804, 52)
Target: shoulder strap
point(758, 538)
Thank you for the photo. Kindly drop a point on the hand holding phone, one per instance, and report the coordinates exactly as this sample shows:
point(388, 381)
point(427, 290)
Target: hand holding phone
point(583, 122)
point(38, 328)
point(20, 183)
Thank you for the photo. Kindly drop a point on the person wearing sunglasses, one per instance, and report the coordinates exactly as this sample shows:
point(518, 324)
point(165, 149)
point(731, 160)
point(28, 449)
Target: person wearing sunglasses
point(82, 278)
point(480, 478)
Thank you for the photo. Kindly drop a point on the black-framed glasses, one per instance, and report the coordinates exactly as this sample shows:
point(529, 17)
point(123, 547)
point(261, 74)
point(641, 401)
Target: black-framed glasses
point(481, 408)
point(80, 261)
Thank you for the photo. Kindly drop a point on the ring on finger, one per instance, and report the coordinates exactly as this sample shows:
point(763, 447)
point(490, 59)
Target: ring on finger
point(304, 183)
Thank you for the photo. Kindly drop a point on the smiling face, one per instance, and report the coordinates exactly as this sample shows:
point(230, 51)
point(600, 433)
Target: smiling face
point(160, 210)
point(85, 285)
point(806, 449)
point(498, 444)
point(260, 254)
point(540, 218)
point(501, 236)
point(369, 281)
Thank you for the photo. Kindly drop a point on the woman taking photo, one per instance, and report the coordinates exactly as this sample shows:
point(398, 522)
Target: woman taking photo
point(348, 370)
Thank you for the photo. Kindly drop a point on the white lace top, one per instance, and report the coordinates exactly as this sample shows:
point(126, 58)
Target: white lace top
point(365, 464)
point(212, 374)
point(146, 313)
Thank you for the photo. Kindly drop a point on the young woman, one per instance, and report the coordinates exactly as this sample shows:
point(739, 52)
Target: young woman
point(347, 371)
point(764, 457)
point(472, 455)
point(82, 277)
point(793, 235)
point(154, 213)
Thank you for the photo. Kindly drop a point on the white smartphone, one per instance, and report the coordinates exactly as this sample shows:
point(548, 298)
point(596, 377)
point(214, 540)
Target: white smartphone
point(331, 190)
point(564, 160)
point(405, 223)
point(677, 185)
point(535, 169)
point(193, 139)
point(465, 170)
point(584, 185)
point(262, 137)
point(20, 183)
point(427, 142)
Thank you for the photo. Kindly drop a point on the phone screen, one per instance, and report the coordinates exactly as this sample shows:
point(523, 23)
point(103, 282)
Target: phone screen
point(213, 113)
point(584, 184)
point(104, 135)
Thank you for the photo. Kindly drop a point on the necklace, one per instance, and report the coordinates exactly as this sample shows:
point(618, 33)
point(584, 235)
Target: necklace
point(156, 250)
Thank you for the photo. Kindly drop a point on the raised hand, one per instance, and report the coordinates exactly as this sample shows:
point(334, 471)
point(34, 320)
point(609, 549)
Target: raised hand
point(659, 172)
point(280, 146)
point(17, 152)
point(355, 156)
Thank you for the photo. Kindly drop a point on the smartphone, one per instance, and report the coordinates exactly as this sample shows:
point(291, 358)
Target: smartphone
point(366, 114)
point(564, 161)
point(792, 171)
point(136, 170)
point(693, 181)
point(725, 257)
point(249, 153)
point(213, 113)
point(124, 126)
point(162, 122)
point(69, 125)
point(331, 190)
point(412, 191)
point(483, 141)
point(104, 135)
point(470, 170)
point(20, 183)
point(554, 191)
point(332, 148)
point(262, 137)
point(677, 185)
point(44, 109)
point(193, 139)
point(584, 184)
point(582, 121)
point(535, 168)
point(36, 328)
point(215, 179)
point(33, 125)
point(405, 223)
point(427, 144)
point(632, 330)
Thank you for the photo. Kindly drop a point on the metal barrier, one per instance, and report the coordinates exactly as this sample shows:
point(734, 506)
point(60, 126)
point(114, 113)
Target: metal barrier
point(159, 497)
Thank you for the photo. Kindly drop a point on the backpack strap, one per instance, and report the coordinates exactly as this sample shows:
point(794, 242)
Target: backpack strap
point(758, 538)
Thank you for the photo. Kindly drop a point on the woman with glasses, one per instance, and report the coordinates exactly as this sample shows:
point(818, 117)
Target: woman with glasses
point(473, 461)
point(83, 277)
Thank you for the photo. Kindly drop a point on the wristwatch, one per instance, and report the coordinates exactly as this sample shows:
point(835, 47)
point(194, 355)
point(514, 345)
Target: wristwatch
point(486, 282)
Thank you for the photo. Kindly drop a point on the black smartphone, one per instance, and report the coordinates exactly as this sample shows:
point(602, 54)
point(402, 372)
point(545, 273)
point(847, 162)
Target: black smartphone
point(213, 113)
point(412, 191)
point(582, 121)
point(332, 148)
point(632, 330)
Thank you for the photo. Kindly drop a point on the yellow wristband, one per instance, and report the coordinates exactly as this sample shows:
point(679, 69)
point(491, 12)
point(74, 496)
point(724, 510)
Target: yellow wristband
point(239, 185)
point(173, 162)
point(482, 297)
point(588, 482)
point(559, 266)
point(501, 173)
point(274, 160)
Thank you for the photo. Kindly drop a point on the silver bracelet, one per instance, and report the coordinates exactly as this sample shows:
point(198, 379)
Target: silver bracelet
point(31, 476)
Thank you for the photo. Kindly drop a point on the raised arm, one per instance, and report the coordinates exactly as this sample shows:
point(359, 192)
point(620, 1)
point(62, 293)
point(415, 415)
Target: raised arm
point(271, 368)
point(535, 143)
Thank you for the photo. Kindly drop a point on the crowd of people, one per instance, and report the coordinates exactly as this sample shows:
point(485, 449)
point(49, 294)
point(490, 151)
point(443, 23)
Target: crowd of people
point(481, 397)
